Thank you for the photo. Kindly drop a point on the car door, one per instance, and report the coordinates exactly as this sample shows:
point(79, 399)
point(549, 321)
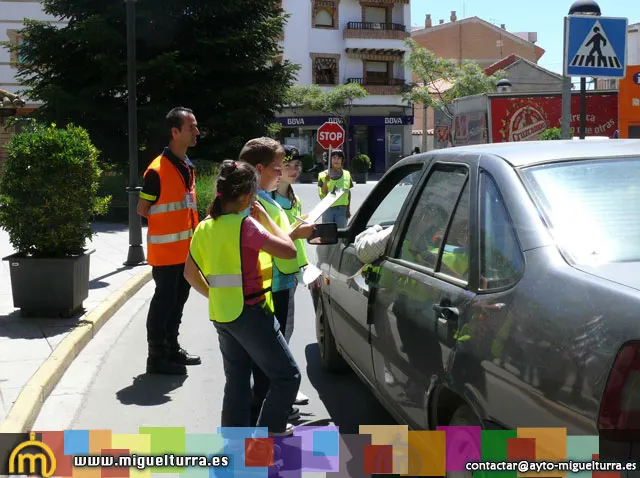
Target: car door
point(422, 292)
point(348, 288)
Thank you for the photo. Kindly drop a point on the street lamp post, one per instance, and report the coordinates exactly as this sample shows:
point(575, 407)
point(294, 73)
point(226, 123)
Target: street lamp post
point(135, 256)
point(584, 7)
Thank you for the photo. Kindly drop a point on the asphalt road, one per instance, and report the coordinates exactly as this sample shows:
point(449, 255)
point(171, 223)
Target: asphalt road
point(119, 396)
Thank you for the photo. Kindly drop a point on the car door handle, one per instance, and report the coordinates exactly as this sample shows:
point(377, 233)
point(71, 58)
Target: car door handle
point(446, 313)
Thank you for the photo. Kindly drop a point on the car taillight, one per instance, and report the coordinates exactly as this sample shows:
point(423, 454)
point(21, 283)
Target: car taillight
point(620, 408)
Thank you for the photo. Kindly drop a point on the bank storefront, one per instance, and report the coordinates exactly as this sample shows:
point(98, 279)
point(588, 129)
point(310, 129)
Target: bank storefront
point(385, 139)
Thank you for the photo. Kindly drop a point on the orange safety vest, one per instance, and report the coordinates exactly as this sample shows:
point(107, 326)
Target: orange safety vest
point(173, 218)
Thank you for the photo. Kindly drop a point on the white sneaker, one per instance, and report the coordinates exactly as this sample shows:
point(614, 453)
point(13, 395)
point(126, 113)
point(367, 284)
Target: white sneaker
point(301, 399)
point(287, 432)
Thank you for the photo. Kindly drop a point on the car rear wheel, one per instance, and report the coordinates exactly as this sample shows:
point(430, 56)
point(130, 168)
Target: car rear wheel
point(330, 358)
point(464, 417)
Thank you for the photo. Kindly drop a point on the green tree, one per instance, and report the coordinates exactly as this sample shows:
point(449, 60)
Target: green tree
point(551, 134)
point(216, 57)
point(337, 102)
point(440, 81)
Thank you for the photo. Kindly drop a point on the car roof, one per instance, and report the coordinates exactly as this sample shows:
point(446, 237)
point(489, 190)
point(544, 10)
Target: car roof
point(526, 153)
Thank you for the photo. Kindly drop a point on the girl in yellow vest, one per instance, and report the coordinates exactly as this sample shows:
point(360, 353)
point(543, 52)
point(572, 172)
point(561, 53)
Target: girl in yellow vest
point(223, 265)
point(292, 206)
point(336, 178)
point(267, 156)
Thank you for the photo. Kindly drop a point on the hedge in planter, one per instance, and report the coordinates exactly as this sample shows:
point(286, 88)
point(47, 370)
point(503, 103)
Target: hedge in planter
point(48, 199)
point(360, 168)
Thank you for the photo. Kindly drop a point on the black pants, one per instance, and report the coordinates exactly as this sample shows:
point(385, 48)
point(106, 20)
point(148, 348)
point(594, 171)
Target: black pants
point(167, 304)
point(260, 380)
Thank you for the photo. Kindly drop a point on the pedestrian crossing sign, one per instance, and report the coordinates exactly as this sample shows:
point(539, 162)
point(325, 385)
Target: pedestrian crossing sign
point(595, 46)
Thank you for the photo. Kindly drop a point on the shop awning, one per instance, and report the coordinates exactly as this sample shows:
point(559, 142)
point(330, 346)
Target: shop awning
point(375, 54)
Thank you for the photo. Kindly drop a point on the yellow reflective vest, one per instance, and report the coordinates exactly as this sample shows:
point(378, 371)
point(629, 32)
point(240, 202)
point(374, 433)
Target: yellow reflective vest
point(284, 266)
point(291, 213)
point(343, 182)
point(215, 248)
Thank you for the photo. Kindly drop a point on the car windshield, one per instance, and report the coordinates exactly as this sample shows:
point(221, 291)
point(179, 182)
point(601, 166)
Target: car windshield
point(592, 207)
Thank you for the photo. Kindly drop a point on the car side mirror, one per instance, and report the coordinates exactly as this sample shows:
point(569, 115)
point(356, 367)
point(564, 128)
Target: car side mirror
point(324, 234)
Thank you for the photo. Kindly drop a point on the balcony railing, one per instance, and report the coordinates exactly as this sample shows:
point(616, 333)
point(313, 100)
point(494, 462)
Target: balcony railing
point(377, 81)
point(376, 26)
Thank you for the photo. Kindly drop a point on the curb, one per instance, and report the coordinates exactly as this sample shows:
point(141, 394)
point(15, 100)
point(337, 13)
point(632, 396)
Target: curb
point(27, 406)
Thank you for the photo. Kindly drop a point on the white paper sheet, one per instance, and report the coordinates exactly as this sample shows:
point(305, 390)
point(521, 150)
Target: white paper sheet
point(310, 274)
point(317, 212)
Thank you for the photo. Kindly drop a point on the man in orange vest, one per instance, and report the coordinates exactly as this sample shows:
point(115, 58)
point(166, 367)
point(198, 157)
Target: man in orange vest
point(168, 201)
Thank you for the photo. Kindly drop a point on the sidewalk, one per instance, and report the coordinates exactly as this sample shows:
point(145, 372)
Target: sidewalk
point(27, 343)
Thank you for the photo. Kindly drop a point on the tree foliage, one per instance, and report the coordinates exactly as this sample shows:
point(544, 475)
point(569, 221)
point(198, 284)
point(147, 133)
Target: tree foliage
point(440, 81)
point(337, 102)
point(550, 134)
point(214, 57)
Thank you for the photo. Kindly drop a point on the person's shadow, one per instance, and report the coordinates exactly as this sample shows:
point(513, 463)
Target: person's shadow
point(150, 390)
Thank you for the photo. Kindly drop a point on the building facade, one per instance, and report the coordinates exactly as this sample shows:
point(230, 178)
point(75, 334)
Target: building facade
point(12, 15)
point(466, 39)
point(350, 41)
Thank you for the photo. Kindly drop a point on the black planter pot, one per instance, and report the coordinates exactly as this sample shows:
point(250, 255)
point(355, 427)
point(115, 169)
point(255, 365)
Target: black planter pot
point(46, 287)
point(360, 178)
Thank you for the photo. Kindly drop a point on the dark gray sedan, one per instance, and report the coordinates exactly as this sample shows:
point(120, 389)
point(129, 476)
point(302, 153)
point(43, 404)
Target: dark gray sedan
point(509, 292)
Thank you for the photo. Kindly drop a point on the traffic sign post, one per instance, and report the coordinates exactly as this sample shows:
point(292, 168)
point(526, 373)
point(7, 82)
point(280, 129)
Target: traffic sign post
point(330, 136)
point(596, 47)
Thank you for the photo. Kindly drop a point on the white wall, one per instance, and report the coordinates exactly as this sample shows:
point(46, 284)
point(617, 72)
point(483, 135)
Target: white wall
point(301, 39)
point(633, 46)
point(12, 15)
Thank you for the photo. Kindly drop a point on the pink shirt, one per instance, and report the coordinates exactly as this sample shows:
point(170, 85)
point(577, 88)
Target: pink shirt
point(252, 237)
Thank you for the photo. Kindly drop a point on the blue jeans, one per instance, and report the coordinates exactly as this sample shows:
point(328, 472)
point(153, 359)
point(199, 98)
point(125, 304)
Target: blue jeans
point(337, 214)
point(255, 337)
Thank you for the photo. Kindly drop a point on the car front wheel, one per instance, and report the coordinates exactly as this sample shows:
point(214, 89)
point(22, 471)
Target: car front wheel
point(330, 358)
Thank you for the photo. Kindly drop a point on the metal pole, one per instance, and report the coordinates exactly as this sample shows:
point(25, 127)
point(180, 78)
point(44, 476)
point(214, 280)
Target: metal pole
point(565, 123)
point(425, 138)
point(583, 107)
point(135, 256)
point(566, 107)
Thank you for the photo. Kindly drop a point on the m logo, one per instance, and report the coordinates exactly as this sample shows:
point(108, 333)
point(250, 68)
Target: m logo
point(20, 457)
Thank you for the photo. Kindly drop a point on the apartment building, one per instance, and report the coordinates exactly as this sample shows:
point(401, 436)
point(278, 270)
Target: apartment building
point(12, 15)
point(352, 41)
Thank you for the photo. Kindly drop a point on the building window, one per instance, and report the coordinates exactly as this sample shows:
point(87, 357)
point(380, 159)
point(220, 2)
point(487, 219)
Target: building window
point(324, 18)
point(15, 40)
point(325, 71)
point(377, 15)
point(377, 73)
point(325, 14)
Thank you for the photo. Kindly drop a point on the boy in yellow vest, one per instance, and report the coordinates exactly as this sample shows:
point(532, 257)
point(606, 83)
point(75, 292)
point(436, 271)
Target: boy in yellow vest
point(334, 179)
point(267, 156)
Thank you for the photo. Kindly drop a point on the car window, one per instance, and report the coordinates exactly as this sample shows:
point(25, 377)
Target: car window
point(501, 261)
point(387, 212)
point(592, 207)
point(455, 256)
point(430, 219)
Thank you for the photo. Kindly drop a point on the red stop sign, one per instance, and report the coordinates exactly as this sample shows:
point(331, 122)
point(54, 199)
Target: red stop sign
point(330, 135)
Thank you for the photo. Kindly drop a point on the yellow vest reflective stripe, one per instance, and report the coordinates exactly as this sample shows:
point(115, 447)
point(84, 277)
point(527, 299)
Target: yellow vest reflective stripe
point(221, 265)
point(344, 182)
point(291, 213)
point(284, 266)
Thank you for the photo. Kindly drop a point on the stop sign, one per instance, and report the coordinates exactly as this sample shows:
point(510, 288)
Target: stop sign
point(330, 135)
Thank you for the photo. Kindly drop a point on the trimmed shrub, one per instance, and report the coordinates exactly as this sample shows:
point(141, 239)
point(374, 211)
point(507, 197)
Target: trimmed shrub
point(361, 163)
point(48, 193)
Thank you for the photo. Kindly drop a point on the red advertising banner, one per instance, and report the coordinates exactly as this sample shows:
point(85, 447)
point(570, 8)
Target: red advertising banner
point(525, 118)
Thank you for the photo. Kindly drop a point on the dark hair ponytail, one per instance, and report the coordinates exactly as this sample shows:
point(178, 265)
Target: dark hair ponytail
point(291, 196)
point(236, 179)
